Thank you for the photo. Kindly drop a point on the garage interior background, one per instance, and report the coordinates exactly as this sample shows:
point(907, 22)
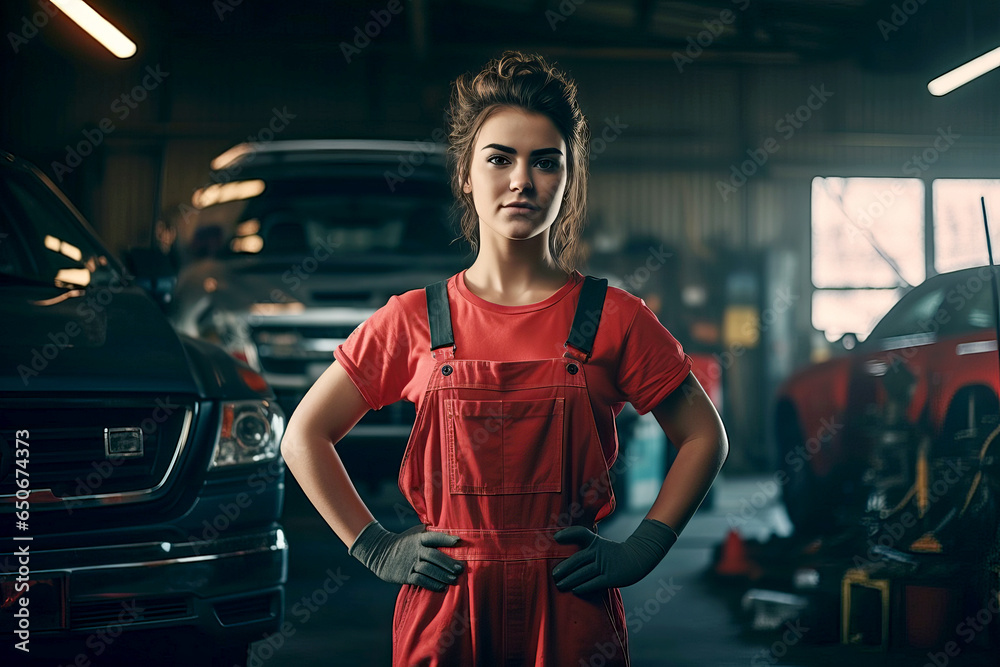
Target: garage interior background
point(680, 95)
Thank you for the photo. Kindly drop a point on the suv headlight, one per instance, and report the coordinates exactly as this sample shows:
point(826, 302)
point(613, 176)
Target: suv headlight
point(249, 432)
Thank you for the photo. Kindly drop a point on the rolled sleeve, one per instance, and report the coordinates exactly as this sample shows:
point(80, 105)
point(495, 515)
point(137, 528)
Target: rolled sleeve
point(653, 362)
point(354, 373)
point(373, 357)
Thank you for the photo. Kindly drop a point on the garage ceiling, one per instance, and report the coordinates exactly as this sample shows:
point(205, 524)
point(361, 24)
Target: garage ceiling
point(877, 34)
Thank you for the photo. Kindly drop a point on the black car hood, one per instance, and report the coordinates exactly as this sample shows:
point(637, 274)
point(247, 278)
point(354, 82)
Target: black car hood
point(96, 339)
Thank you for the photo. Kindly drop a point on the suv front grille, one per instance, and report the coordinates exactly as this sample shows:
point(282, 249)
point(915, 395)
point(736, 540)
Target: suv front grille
point(289, 350)
point(128, 611)
point(248, 609)
point(68, 451)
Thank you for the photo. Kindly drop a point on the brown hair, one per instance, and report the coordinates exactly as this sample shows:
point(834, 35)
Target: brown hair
point(528, 82)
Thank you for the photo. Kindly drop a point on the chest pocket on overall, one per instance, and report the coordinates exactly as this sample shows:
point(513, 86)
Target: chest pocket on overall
point(506, 446)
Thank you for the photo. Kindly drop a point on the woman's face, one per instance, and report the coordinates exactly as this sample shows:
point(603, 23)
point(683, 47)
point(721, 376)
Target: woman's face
point(519, 156)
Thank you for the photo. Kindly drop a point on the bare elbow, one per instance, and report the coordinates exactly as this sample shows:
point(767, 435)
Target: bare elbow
point(723, 449)
point(286, 447)
point(292, 442)
point(303, 434)
point(723, 444)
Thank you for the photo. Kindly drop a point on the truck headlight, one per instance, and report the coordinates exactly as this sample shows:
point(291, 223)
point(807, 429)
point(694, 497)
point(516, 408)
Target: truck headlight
point(249, 432)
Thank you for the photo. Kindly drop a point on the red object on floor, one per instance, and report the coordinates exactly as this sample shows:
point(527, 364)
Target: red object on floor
point(930, 614)
point(733, 560)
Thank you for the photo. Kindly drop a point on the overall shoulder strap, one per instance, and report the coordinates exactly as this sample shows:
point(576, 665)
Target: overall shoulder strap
point(588, 314)
point(439, 315)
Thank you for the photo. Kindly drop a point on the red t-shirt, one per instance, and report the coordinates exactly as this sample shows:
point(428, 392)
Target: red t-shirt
point(635, 359)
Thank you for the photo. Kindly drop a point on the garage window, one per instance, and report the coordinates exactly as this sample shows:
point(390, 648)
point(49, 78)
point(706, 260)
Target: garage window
point(867, 245)
point(959, 236)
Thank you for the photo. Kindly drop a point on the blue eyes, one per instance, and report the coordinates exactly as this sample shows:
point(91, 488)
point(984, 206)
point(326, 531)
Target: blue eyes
point(552, 164)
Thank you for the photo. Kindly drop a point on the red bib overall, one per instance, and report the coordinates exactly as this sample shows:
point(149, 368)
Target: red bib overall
point(503, 455)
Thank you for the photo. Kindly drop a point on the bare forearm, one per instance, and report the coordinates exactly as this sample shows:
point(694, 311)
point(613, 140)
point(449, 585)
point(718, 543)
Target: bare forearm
point(687, 483)
point(319, 471)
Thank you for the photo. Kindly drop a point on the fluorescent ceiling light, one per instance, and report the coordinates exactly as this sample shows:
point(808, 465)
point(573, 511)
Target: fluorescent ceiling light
point(960, 76)
point(225, 158)
point(109, 36)
point(220, 193)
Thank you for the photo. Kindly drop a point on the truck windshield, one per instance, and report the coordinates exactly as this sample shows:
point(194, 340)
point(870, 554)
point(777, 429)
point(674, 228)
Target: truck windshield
point(40, 241)
point(353, 216)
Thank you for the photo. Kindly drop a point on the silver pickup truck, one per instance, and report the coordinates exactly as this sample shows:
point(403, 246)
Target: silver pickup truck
point(296, 243)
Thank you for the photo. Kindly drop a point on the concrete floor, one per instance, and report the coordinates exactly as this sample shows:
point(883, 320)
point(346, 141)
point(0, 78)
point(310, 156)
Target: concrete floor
point(695, 627)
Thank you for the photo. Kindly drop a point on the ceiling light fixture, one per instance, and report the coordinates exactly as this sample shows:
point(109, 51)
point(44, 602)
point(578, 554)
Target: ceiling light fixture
point(98, 27)
point(960, 76)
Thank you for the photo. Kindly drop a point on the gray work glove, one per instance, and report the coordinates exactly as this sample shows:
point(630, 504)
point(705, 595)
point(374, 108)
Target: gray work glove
point(604, 563)
point(408, 557)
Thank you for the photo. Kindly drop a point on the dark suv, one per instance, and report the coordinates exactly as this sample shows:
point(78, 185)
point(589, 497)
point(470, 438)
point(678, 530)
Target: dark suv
point(140, 476)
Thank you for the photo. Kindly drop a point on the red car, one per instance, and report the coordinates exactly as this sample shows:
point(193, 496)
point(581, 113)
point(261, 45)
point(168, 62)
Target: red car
point(923, 385)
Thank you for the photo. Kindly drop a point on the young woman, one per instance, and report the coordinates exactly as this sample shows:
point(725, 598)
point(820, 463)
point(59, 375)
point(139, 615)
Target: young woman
point(518, 366)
